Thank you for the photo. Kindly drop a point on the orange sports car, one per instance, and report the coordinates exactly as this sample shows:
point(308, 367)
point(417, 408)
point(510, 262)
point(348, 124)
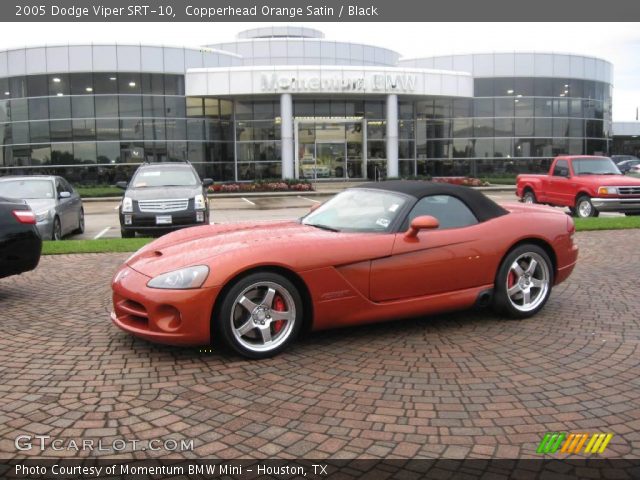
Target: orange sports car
point(375, 252)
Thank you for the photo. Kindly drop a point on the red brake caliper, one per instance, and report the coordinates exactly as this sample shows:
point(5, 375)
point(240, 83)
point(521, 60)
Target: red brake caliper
point(278, 306)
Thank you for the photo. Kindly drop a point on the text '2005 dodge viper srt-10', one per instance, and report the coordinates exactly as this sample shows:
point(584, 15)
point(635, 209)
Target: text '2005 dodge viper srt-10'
point(379, 251)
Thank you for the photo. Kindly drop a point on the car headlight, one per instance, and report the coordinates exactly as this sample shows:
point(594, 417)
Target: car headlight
point(42, 216)
point(200, 202)
point(185, 278)
point(607, 191)
point(127, 204)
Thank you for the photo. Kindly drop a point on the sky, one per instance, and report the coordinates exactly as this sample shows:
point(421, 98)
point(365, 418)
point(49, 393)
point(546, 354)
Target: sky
point(618, 43)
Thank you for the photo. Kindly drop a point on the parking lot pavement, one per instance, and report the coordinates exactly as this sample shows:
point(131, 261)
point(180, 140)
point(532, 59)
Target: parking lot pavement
point(102, 217)
point(455, 385)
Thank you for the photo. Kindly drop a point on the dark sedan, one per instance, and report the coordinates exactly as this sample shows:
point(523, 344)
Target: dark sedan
point(20, 242)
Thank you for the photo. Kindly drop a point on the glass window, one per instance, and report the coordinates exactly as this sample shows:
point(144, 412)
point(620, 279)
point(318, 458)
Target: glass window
point(62, 154)
point(524, 127)
point(576, 146)
point(20, 132)
point(37, 86)
point(154, 129)
point(60, 107)
point(60, 130)
point(406, 129)
point(195, 129)
point(195, 152)
point(450, 211)
point(84, 129)
point(483, 107)
point(108, 130)
point(543, 147)
point(18, 87)
point(376, 130)
point(106, 106)
point(130, 105)
point(561, 169)
point(560, 107)
point(543, 127)
point(483, 148)
point(523, 147)
point(59, 84)
point(560, 127)
point(543, 87)
point(524, 86)
point(39, 132)
point(560, 146)
point(483, 127)
point(483, 87)
point(374, 109)
point(406, 149)
point(176, 129)
point(503, 147)
point(152, 83)
point(462, 148)
point(153, 106)
point(108, 152)
point(462, 107)
point(263, 110)
point(82, 107)
point(81, 83)
point(85, 152)
point(175, 107)
point(576, 128)
point(38, 109)
point(462, 127)
point(194, 107)
point(174, 85)
point(376, 150)
point(575, 108)
point(19, 110)
point(211, 107)
point(129, 83)
point(524, 107)
point(443, 108)
point(543, 107)
point(177, 151)
point(503, 127)
point(40, 155)
point(105, 83)
point(504, 107)
point(131, 129)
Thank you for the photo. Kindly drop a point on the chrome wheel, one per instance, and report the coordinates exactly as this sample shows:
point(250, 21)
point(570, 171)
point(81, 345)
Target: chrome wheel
point(263, 316)
point(527, 282)
point(585, 209)
point(529, 197)
point(56, 234)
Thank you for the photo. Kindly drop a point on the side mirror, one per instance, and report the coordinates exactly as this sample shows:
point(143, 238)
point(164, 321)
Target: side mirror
point(64, 195)
point(424, 222)
point(314, 207)
point(206, 182)
point(122, 185)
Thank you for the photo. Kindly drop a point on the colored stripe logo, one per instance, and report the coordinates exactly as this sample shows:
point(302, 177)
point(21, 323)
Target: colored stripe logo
point(573, 443)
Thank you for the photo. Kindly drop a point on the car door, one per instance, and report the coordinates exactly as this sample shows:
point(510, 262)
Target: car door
point(560, 184)
point(64, 207)
point(75, 204)
point(446, 259)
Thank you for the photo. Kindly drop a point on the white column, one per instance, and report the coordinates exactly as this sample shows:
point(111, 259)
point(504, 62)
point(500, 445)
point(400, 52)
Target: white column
point(286, 135)
point(392, 135)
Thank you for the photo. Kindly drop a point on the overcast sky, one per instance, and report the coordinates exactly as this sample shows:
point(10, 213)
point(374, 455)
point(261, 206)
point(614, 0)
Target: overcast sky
point(617, 42)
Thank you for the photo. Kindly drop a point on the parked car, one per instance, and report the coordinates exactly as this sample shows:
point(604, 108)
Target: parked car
point(379, 251)
point(625, 162)
point(20, 242)
point(311, 169)
point(57, 206)
point(586, 184)
point(634, 171)
point(162, 197)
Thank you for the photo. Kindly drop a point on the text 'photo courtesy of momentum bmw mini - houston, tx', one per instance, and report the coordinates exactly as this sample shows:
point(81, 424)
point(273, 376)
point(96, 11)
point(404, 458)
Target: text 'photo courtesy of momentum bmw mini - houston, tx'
point(234, 245)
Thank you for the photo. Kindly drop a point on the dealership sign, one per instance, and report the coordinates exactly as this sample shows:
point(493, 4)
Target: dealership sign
point(371, 83)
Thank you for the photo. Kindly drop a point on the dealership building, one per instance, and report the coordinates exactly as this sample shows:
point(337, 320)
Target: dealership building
point(284, 102)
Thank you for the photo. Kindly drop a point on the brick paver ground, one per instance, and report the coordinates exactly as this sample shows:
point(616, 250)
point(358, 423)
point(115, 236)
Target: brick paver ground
point(459, 385)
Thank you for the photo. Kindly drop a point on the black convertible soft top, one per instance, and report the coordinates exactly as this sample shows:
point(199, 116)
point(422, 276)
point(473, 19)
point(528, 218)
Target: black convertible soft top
point(483, 207)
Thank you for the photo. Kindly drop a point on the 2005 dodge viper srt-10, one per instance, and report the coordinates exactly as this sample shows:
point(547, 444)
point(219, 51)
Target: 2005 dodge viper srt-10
point(378, 251)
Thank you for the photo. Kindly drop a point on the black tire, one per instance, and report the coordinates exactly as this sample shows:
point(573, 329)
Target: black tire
point(80, 228)
point(632, 214)
point(509, 305)
point(127, 233)
point(584, 208)
point(231, 315)
point(339, 172)
point(56, 232)
point(529, 197)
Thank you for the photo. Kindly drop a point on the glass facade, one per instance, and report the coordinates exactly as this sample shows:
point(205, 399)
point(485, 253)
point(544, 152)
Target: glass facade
point(96, 127)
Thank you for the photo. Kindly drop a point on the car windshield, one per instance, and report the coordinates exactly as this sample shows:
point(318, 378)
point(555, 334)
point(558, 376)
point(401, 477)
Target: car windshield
point(27, 189)
point(595, 166)
point(358, 210)
point(166, 177)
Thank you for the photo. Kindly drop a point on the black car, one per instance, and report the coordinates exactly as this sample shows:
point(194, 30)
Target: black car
point(162, 197)
point(20, 242)
point(625, 162)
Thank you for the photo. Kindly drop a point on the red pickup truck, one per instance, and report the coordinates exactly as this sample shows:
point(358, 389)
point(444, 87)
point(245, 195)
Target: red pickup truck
point(586, 184)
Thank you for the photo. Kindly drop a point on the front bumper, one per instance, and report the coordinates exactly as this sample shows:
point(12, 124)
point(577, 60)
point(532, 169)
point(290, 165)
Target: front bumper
point(623, 205)
point(142, 222)
point(45, 228)
point(172, 317)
